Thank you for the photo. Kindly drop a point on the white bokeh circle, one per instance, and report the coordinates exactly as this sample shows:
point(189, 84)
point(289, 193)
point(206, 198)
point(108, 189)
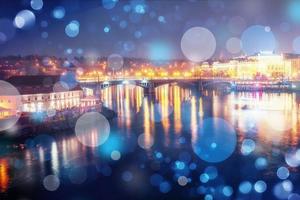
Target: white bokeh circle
point(115, 62)
point(198, 44)
point(92, 129)
point(51, 182)
point(10, 105)
point(145, 141)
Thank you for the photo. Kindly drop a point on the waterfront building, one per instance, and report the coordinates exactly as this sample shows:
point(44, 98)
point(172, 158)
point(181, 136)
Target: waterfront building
point(264, 65)
point(43, 93)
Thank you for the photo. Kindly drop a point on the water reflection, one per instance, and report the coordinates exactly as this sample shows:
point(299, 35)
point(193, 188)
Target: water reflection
point(269, 118)
point(4, 176)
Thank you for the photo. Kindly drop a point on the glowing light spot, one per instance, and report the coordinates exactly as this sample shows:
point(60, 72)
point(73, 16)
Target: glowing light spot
point(260, 186)
point(106, 29)
point(162, 19)
point(145, 141)
point(59, 12)
point(36, 4)
point(115, 155)
point(283, 173)
point(283, 189)
point(92, 129)
point(261, 163)
point(218, 131)
point(72, 29)
point(227, 191)
point(256, 39)
point(140, 9)
point(248, 146)
point(245, 187)
point(292, 158)
point(198, 44)
point(25, 19)
point(51, 183)
point(204, 178)
point(208, 197)
point(182, 181)
point(267, 28)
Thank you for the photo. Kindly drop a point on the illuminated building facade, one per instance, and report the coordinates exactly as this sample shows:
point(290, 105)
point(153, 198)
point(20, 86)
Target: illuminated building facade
point(263, 65)
point(38, 94)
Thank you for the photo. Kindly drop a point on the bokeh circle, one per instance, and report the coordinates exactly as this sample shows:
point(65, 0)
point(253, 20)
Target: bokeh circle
point(92, 129)
point(198, 44)
point(216, 140)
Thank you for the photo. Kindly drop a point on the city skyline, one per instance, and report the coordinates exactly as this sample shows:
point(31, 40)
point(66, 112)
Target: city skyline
point(150, 99)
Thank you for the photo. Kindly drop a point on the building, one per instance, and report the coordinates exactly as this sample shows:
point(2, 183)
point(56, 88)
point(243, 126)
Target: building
point(43, 93)
point(263, 65)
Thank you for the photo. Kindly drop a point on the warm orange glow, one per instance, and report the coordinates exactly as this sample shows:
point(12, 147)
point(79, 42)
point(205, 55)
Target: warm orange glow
point(4, 177)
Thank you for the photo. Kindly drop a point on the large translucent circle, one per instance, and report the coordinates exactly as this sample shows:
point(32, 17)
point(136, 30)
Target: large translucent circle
point(198, 44)
point(258, 38)
point(216, 140)
point(92, 129)
point(24, 19)
point(115, 62)
point(10, 105)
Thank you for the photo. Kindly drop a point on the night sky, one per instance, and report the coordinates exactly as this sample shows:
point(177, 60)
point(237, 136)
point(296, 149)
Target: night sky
point(138, 28)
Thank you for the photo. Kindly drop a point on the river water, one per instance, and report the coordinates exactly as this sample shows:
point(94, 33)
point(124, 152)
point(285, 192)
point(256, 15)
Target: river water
point(153, 150)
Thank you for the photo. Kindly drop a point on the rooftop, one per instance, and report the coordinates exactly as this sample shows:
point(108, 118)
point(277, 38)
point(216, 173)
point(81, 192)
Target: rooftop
point(36, 84)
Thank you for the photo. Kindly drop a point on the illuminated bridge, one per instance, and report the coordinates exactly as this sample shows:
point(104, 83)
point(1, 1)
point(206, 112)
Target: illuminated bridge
point(223, 84)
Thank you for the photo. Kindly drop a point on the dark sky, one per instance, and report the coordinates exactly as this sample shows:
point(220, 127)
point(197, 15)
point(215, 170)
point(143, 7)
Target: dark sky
point(135, 31)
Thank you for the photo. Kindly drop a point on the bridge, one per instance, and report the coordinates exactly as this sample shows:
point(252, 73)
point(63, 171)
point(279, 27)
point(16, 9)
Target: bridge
point(200, 83)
